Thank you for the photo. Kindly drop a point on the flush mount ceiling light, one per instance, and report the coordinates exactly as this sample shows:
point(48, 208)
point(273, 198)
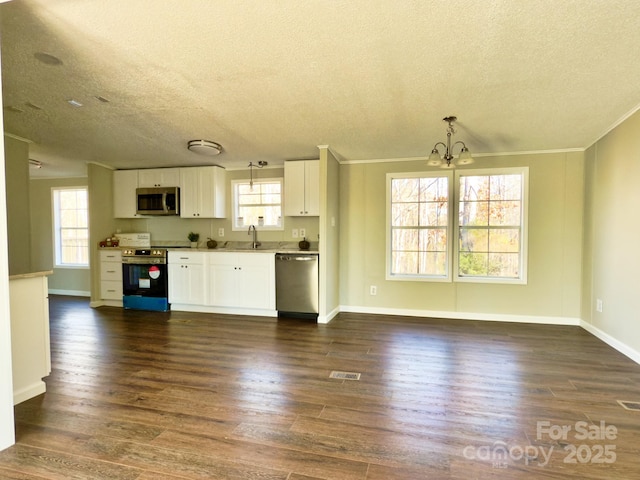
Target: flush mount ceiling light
point(435, 160)
point(204, 147)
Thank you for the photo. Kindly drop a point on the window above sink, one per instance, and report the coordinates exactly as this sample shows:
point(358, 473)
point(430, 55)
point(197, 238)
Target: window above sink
point(258, 203)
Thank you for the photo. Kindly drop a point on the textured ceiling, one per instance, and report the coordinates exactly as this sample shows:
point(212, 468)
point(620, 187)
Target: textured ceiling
point(271, 80)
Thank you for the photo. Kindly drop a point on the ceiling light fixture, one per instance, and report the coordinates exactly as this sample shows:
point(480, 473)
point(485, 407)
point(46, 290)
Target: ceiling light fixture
point(204, 147)
point(35, 163)
point(435, 160)
point(74, 103)
point(261, 164)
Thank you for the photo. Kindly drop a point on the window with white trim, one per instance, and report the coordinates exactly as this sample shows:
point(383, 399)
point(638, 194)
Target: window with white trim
point(71, 227)
point(259, 204)
point(470, 226)
point(419, 227)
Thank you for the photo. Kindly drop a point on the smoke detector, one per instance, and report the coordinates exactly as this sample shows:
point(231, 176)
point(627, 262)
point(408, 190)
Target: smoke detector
point(204, 147)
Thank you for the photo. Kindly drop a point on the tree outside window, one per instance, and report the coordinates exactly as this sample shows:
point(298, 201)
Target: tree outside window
point(419, 226)
point(490, 218)
point(481, 224)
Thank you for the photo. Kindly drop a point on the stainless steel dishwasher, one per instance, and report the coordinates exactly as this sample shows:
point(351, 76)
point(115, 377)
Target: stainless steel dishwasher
point(297, 283)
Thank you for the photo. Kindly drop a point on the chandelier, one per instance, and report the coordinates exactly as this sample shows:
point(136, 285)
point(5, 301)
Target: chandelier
point(445, 161)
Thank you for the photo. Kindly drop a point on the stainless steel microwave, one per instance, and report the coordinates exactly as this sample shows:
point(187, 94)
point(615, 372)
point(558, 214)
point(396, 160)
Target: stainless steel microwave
point(158, 201)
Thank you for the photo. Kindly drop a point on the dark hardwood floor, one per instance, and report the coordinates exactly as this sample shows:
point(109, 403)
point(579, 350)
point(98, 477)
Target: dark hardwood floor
point(149, 396)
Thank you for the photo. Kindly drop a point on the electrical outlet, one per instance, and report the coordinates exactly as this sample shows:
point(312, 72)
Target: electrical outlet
point(221, 232)
point(373, 290)
point(303, 232)
point(294, 233)
point(599, 305)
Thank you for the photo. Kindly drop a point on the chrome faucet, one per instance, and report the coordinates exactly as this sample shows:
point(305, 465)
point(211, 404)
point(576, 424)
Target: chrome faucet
point(255, 243)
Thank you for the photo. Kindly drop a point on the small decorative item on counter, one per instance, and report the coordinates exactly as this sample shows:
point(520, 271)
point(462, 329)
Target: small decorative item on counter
point(193, 238)
point(109, 242)
point(304, 244)
point(211, 243)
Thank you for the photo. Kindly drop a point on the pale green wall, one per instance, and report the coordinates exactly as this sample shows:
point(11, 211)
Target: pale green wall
point(612, 232)
point(74, 281)
point(101, 221)
point(329, 234)
point(7, 428)
point(18, 223)
point(588, 303)
point(555, 244)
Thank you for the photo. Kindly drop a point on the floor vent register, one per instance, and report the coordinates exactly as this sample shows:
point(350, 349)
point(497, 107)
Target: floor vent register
point(345, 375)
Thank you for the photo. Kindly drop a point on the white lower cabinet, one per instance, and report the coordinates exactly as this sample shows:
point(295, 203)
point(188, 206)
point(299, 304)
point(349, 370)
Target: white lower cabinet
point(187, 283)
point(222, 281)
point(242, 280)
point(111, 275)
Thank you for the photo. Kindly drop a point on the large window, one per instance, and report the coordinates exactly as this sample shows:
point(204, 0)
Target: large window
point(71, 227)
point(259, 204)
point(470, 226)
point(420, 229)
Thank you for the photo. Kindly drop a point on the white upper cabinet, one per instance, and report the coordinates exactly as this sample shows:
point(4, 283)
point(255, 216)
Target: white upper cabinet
point(203, 192)
point(159, 177)
point(302, 188)
point(125, 183)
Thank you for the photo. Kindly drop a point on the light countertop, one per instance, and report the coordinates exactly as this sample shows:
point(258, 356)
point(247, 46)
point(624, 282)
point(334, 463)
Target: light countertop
point(19, 276)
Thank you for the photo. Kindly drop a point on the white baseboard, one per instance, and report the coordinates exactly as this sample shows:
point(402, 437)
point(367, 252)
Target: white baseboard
point(488, 317)
point(105, 303)
point(612, 342)
point(71, 293)
point(330, 316)
point(29, 391)
point(223, 310)
point(605, 337)
point(493, 317)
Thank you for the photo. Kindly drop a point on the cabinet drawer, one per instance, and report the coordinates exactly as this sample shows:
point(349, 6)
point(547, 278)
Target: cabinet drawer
point(223, 258)
point(111, 271)
point(256, 259)
point(186, 257)
point(111, 290)
point(110, 256)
